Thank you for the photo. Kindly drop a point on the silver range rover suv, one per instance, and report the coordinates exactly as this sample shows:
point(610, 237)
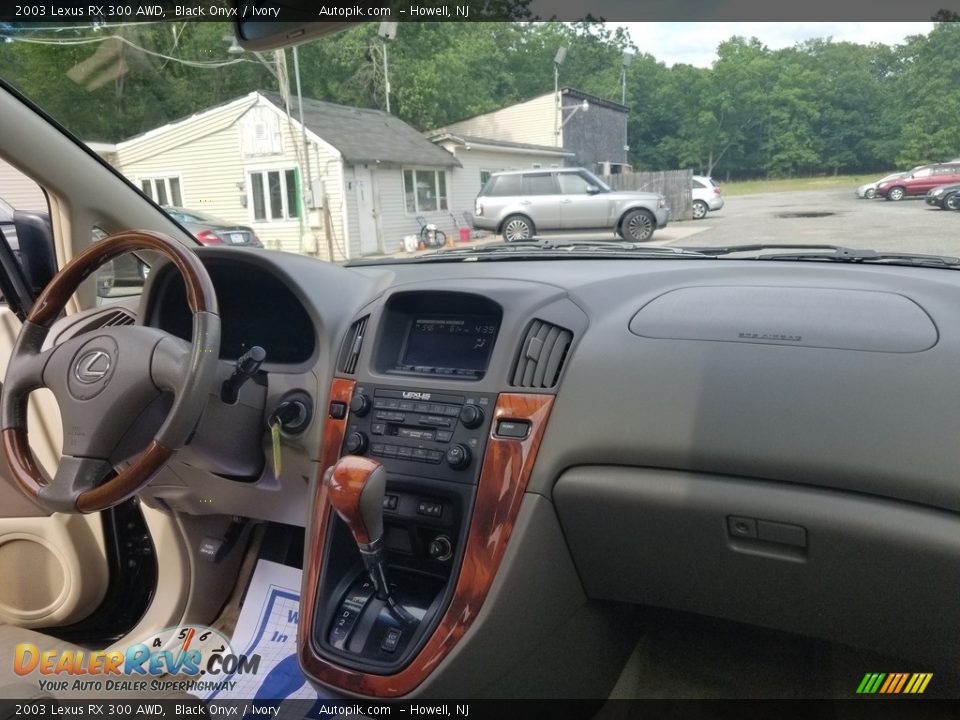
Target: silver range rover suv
point(523, 203)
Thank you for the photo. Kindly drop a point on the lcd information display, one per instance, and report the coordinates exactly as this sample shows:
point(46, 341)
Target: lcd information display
point(451, 342)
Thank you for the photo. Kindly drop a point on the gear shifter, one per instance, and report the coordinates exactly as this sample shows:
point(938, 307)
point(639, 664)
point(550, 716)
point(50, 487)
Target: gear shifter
point(356, 488)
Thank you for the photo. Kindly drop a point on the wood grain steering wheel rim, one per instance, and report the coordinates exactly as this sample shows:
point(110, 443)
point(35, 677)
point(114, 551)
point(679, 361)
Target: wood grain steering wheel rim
point(196, 367)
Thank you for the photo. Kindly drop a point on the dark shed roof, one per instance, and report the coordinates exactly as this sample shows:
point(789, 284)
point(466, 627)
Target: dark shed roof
point(367, 136)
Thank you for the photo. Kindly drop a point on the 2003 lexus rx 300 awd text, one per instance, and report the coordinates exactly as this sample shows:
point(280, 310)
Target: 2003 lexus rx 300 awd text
point(489, 415)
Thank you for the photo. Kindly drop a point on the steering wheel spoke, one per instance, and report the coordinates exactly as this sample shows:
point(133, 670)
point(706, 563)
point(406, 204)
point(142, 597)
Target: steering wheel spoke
point(170, 363)
point(74, 477)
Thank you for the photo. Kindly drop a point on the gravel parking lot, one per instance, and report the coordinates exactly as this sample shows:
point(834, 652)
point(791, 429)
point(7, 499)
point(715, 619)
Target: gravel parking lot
point(835, 217)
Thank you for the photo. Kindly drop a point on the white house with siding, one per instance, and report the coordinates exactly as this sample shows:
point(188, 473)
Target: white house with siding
point(534, 121)
point(369, 174)
point(592, 129)
point(19, 191)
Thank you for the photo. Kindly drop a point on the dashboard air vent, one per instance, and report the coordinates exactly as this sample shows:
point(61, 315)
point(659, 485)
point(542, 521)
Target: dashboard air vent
point(115, 318)
point(350, 352)
point(542, 354)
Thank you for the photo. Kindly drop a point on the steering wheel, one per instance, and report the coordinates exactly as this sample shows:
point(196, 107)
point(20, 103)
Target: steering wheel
point(105, 380)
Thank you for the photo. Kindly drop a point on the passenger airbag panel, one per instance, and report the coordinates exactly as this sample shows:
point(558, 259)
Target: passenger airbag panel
point(795, 316)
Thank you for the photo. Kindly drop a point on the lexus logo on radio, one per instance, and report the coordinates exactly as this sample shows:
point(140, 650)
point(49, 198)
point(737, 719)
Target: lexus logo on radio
point(92, 366)
point(416, 396)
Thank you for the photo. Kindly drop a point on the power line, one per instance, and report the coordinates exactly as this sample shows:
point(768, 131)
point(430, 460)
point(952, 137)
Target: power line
point(96, 27)
point(88, 41)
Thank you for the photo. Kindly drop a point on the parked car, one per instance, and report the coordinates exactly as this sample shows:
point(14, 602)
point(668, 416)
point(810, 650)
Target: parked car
point(706, 196)
point(945, 197)
point(869, 190)
point(523, 203)
point(920, 180)
point(214, 231)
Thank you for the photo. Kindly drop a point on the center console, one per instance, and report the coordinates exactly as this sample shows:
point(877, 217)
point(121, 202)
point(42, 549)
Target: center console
point(383, 608)
point(431, 445)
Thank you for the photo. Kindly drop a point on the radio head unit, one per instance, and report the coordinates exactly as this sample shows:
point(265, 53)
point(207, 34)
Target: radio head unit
point(457, 345)
point(449, 335)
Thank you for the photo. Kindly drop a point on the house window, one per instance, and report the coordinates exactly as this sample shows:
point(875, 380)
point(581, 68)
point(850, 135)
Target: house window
point(162, 190)
point(275, 194)
point(425, 190)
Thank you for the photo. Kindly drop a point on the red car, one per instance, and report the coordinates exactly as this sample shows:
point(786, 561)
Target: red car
point(920, 181)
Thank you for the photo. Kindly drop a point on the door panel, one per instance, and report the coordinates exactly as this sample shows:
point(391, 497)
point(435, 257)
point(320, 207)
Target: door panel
point(540, 200)
point(578, 209)
point(53, 568)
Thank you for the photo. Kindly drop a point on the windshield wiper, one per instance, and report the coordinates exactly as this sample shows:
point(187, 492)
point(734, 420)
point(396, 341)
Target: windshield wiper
point(831, 253)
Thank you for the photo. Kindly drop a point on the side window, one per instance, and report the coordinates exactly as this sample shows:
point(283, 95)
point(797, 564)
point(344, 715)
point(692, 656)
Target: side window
point(697, 185)
point(506, 185)
point(923, 172)
point(572, 183)
point(122, 277)
point(538, 184)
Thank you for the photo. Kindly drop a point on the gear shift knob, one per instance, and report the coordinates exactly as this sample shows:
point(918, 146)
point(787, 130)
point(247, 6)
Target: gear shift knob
point(356, 487)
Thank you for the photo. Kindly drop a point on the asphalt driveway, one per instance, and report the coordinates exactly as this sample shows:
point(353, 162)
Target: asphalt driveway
point(834, 217)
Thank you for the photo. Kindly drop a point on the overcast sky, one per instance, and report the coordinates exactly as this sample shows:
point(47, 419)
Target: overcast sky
point(695, 43)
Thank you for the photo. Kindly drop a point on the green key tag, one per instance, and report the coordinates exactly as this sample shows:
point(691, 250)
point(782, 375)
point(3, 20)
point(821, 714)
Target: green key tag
point(275, 437)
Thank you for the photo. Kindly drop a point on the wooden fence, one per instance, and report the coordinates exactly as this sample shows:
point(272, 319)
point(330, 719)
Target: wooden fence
point(675, 185)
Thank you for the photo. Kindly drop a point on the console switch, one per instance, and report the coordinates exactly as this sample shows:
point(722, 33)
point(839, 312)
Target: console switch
point(391, 640)
point(429, 508)
point(518, 429)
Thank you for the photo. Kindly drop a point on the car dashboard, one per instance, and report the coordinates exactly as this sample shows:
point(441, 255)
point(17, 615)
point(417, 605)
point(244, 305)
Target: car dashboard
point(772, 443)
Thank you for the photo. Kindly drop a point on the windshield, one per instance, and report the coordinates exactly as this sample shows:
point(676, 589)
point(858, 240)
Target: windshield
point(375, 143)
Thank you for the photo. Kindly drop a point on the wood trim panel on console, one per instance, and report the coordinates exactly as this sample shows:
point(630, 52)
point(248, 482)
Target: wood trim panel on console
point(341, 390)
point(506, 468)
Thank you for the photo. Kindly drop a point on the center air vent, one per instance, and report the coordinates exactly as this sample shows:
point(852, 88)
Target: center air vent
point(350, 352)
point(542, 354)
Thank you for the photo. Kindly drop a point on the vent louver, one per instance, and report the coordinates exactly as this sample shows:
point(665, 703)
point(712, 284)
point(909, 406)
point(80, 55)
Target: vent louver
point(542, 354)
point(350, 352)
point(115, 318)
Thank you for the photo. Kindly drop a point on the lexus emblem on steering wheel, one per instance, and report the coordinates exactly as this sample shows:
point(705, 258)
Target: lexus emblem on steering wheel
point(91, 367)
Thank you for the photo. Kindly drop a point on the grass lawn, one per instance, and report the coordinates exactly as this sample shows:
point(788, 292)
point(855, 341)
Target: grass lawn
point(827, 182)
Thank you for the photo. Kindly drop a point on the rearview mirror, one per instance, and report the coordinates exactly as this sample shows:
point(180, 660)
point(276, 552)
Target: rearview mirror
point(259, 29)
point(592, 189)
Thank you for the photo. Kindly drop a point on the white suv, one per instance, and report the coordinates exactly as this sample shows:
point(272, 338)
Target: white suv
point(706, 196)
point(524, 203)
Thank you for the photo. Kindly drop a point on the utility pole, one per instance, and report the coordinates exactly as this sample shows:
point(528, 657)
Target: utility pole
point(557, 62)
point(387, 32)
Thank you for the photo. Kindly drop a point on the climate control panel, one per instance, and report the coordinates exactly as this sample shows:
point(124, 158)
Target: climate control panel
point(437, 435)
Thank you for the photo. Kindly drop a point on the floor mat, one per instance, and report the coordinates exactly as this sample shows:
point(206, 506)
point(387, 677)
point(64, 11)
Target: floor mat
point(267, 627)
